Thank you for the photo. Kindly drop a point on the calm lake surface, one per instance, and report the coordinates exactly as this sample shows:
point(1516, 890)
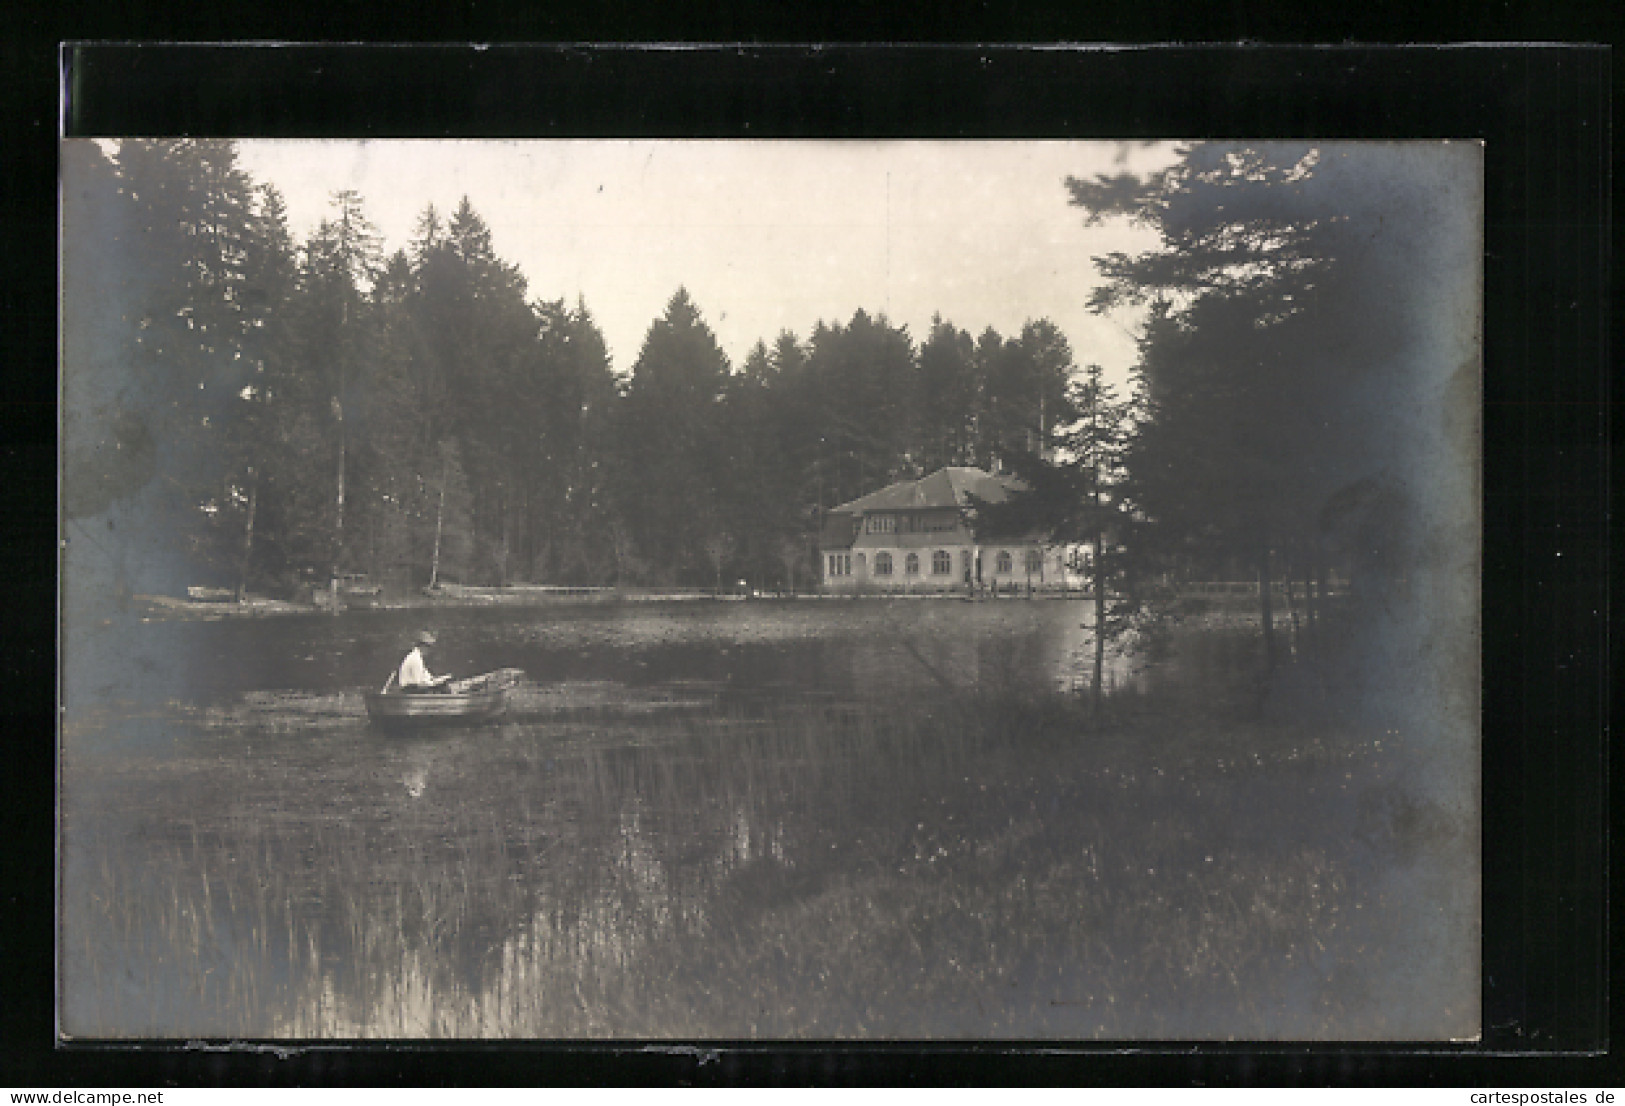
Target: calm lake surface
point(716, 819)
point(852, 648)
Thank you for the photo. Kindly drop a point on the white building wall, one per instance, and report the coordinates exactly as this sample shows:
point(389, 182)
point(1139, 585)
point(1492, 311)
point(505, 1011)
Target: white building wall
point(858, 568)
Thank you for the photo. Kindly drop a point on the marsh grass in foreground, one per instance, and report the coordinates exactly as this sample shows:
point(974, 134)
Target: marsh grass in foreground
point(937, 866)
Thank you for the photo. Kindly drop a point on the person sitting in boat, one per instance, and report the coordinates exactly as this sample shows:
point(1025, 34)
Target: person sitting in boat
point(414, 677)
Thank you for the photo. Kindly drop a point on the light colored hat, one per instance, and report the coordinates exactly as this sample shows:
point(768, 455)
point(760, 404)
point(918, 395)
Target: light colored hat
point(425, 637)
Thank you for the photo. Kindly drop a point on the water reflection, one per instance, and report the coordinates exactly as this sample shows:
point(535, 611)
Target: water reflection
point(862, 647)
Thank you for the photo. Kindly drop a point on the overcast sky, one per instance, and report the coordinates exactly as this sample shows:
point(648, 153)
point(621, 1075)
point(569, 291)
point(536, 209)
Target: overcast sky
point(766, 236)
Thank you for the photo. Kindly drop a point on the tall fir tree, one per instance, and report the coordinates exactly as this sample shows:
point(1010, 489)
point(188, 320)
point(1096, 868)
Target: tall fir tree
point(671, 471)
point(335, 328)
point(1082, 498)
point(1281, 353)
point(949, 391)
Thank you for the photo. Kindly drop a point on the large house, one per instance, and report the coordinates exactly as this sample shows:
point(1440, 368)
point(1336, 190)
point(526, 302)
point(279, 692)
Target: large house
point(916, 536)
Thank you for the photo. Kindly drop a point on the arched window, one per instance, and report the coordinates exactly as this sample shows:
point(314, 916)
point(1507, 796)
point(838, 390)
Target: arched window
point(882, 564)
point(1002, 566)
point(1035, 562)
point(912, 564)
point(941, 563)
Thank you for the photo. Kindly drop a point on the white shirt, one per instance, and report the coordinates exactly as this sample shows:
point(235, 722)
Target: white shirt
point(414, 673)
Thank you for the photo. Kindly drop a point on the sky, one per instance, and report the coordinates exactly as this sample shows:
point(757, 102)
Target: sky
point(765, 235)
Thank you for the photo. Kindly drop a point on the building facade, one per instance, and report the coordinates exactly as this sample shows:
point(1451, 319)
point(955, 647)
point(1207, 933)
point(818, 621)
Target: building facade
point(916, 536)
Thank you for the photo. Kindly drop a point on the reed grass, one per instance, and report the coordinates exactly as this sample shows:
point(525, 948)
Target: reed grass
point(994, 863)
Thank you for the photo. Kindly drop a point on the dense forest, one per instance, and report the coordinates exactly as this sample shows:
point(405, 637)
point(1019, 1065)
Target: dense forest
point(1304, 398)
point(320, 408)
point(315, 409)
point(288, 413)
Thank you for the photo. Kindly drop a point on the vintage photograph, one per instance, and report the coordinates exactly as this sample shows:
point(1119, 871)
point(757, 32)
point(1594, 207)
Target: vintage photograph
point(770, 590)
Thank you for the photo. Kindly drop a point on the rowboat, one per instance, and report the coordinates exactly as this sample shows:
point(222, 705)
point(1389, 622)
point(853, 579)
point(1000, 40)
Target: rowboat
point(479, 699)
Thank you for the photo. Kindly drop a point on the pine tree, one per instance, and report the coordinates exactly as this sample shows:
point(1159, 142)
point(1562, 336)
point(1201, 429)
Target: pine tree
point(193, 252)
point(671, 471)
point(477, 349)
point(1286, 340)
point(1083, 498)
point(404, 430)
point(335, 323)
point(949, 397)
point(109, 438)
point(862, 384)
point(257, 446)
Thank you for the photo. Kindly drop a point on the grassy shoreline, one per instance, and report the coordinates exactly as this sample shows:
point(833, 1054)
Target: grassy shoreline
point(982, 865)
point(167, 606)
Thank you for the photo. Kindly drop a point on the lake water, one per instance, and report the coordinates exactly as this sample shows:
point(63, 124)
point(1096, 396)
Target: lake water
point(700, 819)
point(861, 648)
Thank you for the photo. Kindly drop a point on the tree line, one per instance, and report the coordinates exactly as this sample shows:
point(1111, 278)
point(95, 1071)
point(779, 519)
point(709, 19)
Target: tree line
point(291, 412)
point(1303, 379)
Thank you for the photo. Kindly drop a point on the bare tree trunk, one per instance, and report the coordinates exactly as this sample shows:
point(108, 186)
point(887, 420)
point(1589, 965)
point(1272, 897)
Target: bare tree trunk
point(1100, 623)
point(527, 535)
point(1100, 577)
point(1264, 607)
point(248, 533)
point(338, 523)
point(439, 521)
point(1316, 611)
point(1292, 606)
point(1311, 592)
point(1311, 638)
point(504, 577)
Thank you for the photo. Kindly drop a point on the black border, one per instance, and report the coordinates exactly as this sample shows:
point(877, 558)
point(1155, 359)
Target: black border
point(1544, 114)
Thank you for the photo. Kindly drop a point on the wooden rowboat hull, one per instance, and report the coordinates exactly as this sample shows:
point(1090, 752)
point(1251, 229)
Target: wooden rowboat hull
point(395, 709)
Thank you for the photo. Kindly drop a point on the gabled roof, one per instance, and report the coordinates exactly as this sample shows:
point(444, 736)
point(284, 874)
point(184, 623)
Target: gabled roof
point(947, 487)
point(837, 531)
